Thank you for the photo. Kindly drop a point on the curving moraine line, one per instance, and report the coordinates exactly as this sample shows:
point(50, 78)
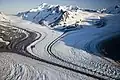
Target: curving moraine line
point(19, 46)
point(24, 52)
point(49, 50)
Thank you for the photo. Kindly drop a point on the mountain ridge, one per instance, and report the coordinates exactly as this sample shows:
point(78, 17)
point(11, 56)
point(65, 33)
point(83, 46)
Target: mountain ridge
point(3, 17)
point(56, 15)
point(112, 10)
point(45, 11)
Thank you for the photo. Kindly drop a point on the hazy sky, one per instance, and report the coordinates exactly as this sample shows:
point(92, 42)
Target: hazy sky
point(15, 6)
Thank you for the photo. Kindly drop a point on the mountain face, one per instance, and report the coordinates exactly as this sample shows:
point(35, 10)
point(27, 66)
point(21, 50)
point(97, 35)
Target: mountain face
point(112, 10)
point(3, 17)
point(57, 16)
point(52, 15)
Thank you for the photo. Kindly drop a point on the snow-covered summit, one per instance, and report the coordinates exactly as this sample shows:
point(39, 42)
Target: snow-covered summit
point(112, 10)
point(48, 6)
point(46, 14)
point(56, 15)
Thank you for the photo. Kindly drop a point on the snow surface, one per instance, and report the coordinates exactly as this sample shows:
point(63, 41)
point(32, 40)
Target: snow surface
point(17, 67)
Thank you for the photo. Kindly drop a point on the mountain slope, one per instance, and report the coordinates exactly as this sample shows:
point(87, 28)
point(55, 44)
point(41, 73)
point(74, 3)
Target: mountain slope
point(3, 17)
point(112, 10)
point(55, 15)
point(46, 14)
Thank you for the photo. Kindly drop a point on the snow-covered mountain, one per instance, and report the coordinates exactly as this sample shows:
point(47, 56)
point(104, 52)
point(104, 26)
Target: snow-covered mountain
point(52, 15)
point(55, 15)
point(66, 16)
point(112, 10)
point(3, 17)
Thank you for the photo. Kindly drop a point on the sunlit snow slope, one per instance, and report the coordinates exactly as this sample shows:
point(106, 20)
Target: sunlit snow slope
point(59, 16)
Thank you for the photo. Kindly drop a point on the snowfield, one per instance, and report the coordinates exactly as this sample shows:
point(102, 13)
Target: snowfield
point(67, 51)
